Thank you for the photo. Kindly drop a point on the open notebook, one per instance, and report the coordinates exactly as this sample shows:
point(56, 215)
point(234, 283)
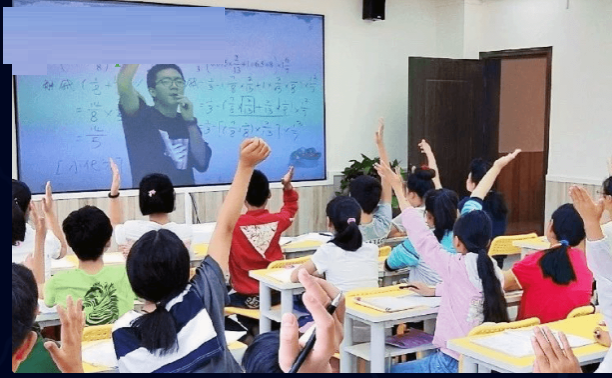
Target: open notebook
point(401, 303)
point(517, 343)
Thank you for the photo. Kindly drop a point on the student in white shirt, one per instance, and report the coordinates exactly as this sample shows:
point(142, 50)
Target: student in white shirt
point(157, 200)
point(55, 241)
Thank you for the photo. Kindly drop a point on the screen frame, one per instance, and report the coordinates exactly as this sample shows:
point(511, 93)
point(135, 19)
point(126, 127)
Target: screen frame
point(131, 192)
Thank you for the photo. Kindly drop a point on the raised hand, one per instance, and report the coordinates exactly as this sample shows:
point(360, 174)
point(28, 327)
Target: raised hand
point(589, 210)
point(69, 358)
point(425, 148)
point(505, 160)
point(550, 358)
point(186, 107)
point(38, 218)
point(386, 174)
point(116, 184)
point(286, 180)
point(379, 136)
point(47, 201)
point(253, 151)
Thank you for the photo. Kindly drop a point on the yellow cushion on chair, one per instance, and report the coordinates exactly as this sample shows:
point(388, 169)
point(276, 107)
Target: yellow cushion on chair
point(96, 333)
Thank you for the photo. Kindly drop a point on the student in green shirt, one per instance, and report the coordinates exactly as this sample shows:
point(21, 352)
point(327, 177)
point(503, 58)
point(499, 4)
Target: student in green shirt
point(105, 290)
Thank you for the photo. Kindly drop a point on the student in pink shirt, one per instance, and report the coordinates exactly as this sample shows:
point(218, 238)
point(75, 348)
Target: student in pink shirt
point(471, 287)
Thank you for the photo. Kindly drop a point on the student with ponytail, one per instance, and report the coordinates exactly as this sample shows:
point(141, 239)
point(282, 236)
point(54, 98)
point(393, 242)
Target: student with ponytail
point(440, 214)
point(181, 328)
point(157, 201)
point(346, 261)
point(557, 280)
point(471, 287)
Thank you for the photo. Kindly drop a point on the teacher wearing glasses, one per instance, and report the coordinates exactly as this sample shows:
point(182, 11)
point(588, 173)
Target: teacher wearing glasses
point(159, 139)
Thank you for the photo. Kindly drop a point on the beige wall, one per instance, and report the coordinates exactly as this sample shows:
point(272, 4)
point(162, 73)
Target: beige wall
point(522, 105)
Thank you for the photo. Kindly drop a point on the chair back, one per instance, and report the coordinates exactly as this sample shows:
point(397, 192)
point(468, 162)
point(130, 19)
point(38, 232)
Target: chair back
point(581, 311)
point(95, 333)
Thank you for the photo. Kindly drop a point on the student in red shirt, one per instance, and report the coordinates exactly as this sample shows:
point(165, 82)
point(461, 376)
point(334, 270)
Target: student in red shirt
point(555, 281)
point(255, 243)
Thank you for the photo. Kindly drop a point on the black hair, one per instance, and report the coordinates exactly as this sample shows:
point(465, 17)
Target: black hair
point(494, 201)
point(88, 231)
point(158, 271)
point(24, 298)
point(421, 181)
point(262, 355)
point(607, 186)
point(367, 191)
point(567, 226)
point(156, 195)
point(19, 224)
point(259, 189)
point(152, 73)
point(474, 231)
point(22, 195)
point(442, 205)
point(339, 211)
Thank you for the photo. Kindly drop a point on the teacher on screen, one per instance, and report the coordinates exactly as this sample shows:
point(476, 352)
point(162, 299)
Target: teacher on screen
point(158, 138)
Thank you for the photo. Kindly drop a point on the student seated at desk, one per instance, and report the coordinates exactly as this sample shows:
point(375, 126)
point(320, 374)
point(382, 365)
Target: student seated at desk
point(346, 261)
point(105, 290)
point(157, 200)
point(558, 280)
point(471, 287)
point(181, 328)
point(440, 214)
point(255, 242)
point(55, 241)
point(420, 181)
point(25, 342)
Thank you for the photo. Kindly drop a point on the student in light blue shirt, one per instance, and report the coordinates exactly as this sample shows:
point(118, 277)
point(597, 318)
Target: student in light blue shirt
point(440, 215)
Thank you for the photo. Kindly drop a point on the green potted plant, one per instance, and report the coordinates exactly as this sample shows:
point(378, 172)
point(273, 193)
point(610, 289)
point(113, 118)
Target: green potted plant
point(366, 167)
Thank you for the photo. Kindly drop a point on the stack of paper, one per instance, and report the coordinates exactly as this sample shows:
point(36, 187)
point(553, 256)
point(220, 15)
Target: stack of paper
point(517, 343)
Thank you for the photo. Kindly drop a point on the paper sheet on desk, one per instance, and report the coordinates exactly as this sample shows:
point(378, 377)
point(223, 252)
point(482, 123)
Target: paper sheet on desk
point(401, 303)
point(283, 275)
point(101, 354)
point(517, 343)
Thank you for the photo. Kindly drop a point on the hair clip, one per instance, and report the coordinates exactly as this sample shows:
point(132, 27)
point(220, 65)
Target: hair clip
point(564, 243)
point(351, 220)
point(152, 193)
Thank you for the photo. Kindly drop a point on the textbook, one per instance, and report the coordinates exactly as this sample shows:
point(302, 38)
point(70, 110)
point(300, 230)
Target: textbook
point(401, 303)
point(517, 343)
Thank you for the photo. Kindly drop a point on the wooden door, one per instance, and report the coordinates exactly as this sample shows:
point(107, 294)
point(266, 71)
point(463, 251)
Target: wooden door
point(446, 103)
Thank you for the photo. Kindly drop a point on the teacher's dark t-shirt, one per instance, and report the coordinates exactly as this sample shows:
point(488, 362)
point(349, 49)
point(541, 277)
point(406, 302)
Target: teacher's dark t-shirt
point(149, 136)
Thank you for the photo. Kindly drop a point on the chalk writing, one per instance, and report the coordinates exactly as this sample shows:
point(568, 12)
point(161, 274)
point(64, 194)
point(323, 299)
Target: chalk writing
point(85, 166)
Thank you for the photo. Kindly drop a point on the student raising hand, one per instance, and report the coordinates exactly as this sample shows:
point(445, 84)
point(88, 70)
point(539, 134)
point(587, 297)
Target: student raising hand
point(550, 358)
point(253, 151)
point(319, 294)
point(489, 178)
point(589, 210)
point(69, 358)
point(394, 179)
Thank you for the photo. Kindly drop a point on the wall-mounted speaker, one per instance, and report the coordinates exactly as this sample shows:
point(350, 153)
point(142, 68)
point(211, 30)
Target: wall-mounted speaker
point(374, 10)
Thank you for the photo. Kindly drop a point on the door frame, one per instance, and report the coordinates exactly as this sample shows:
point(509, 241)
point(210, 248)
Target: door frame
point(538, 52)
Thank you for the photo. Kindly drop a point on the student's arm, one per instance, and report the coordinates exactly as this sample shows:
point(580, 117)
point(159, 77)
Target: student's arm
point(115, 208)
point(394, 180)
point(402, 256)
point(308, 266)
point(252, 152)
point(387, 191)
point(290, 201)
point(129, 98)
point(510, 282)
point(52, 221)
point(485, 185)
point(431, 162)
point(38, 260)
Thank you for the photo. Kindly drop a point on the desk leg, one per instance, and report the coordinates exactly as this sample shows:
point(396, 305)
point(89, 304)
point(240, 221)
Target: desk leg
point(377, 348)
point(469, 365)
point(286, 302)
point(265, 306)
point(483, 369)
point(347, 360)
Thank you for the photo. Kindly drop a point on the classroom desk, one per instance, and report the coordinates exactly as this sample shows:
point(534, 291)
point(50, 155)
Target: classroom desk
point(236, 348)
point(266, 285)
point(530, 246)
point(298, 249)
point(480, 359)
point(376, 351)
